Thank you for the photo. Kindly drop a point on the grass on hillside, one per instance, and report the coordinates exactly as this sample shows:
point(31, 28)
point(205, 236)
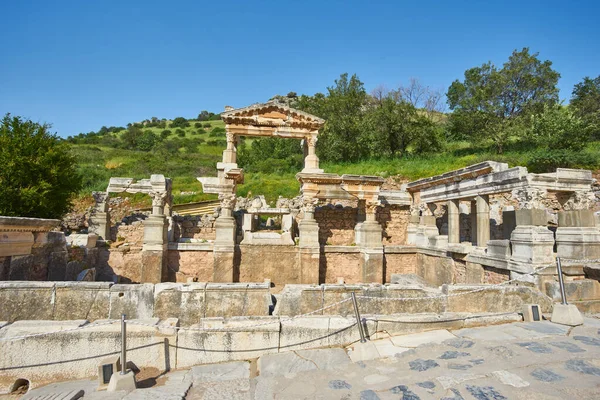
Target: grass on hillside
point(98, 164)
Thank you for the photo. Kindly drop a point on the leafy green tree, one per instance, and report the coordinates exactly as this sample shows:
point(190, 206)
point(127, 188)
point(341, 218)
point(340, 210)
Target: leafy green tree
point(557, 127)
point(489, 99)
point(585, 101)
point(344, 135)
point(132, 136)
point(166, 133)
point(180, 132)
point(147, 141)
point(180, 122)
point(38, 176)
point(391, 127)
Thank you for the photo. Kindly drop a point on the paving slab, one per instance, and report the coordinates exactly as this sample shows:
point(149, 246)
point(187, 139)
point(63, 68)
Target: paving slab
point(418, 339)
point(221, 372)
point(62, 390)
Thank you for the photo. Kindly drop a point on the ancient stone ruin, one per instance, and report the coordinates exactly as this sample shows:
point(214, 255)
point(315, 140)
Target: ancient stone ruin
point(434, 238)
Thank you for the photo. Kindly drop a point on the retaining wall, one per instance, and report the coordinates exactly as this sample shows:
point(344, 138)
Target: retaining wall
point(158, 346)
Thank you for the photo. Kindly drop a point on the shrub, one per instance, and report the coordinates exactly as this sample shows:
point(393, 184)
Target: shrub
point(207, 125)
point(180, 122)
point(38, 176)
point(197, 125)
point(548, 160)
point(218, 142)
point(558, 128)
point(147, 141)
point(166, 133)
point(180, 132)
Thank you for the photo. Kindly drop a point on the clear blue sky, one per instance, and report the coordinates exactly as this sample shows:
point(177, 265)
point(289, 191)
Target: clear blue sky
point(83, 64)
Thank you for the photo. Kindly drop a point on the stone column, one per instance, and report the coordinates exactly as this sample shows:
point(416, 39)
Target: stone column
point(100, 218)
point(155, 247)
point(532, 242)
point(577, 236)
point(483, 220)
point(368, 235)
point(224, 247)
point(311, 161)
point(453, 222)
point(309, 249)
point(427, 228)
point(413, 225)
point(230, 153)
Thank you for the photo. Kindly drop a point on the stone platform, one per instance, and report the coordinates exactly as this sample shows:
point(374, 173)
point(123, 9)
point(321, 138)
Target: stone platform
point(537, 360)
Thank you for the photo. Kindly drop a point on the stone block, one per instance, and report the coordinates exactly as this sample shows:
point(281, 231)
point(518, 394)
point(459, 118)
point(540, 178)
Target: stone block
point(57, 266)
point(576, 290)
point(237, 299)
point(495, 299)
point(231, 339)
point(223, 266)
point(122, 382)
point(532, 245)
point(531, 217)
point(20, 268)
point(82, 300)
point(15, 243)
point(576, 218)
point(154, 266)
point(304, 333)
point(566, 314)
point(26, 301)
point(344, 331)
point(309, 261)
point(414, 323)
point(135, 301)
point(335, 293)
point(299, 299)
point(87, 240)
point(578, 243)
point(499, 248)
point(36, 359)
point(372, 265)
point(185, 301)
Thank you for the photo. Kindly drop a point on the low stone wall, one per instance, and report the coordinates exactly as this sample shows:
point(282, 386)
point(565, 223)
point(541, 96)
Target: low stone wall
point(155, 345)
point(100, 300)
point(336, 224)
point(302, 299)
point(194, 265)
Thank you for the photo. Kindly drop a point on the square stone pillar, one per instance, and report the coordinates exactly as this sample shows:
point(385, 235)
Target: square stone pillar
point(483, 220)
point(577, 237)
point(230, 153)
point(100, 217)
point(369, 238)
point(224, 245)
point(309, 249)
point(532, 242)
point(453, 222)
point(154, 250)
point(311, 161)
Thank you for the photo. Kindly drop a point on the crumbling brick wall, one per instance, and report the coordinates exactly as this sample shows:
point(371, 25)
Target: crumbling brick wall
point(394, 221)
point(336, 224)
point(201, 227)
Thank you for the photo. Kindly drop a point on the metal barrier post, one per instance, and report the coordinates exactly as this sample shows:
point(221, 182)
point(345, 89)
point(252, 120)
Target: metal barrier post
point(358, 321)
point(123, 345)
point(561, 283)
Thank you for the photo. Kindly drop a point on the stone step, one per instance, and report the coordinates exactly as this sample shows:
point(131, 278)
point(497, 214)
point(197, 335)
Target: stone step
point(576, 290)
point(587, 306)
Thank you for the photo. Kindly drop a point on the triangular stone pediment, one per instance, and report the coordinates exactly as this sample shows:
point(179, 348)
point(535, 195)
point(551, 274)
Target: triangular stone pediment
point(272, 114)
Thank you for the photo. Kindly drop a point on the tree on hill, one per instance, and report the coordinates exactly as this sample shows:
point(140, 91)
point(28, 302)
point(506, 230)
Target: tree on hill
point(490, 101)
point(585, 101)
point(180, 122)
point(38, 176)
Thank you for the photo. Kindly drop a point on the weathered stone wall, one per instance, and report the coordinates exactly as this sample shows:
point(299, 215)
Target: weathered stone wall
point(132, 234)
point(276, 263)
point(436, 270)
point(336, 224)
point(200, 227)
point(341, 263)
point(196, 266)
point(399, 263)
point(124, 263)
point(104, 300)
point(394, 221)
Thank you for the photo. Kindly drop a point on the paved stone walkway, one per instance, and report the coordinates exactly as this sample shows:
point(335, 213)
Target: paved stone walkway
point(513, 361)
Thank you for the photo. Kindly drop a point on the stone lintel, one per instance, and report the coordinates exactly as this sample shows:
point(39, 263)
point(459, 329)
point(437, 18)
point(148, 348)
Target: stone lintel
point(470, 172)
